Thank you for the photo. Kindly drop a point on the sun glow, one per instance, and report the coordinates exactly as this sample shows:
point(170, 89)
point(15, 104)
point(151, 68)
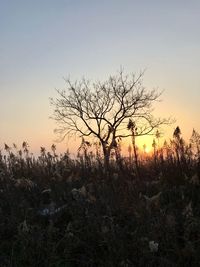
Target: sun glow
point(143, 145)
point(147, 150)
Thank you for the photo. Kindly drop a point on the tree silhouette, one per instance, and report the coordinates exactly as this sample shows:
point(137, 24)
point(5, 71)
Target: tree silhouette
point(103, 110)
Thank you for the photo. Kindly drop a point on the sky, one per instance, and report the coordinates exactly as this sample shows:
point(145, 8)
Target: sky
point(43, 41)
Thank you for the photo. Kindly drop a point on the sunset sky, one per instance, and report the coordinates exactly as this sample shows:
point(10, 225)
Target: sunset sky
point(42, 41)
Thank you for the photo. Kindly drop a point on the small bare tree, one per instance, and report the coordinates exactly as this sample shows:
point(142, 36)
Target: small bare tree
point(104, 109)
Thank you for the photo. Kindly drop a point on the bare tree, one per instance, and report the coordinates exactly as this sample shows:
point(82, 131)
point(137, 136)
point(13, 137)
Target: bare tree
point(103, 110)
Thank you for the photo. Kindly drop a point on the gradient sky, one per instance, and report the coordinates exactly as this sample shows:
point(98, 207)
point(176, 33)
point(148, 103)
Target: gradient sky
point(42, 41)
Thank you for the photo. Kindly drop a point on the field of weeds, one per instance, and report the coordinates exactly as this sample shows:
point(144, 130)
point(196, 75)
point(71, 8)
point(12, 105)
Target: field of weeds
point(56, 212)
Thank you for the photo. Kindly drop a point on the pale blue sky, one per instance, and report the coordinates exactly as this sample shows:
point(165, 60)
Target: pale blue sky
point(42, 41)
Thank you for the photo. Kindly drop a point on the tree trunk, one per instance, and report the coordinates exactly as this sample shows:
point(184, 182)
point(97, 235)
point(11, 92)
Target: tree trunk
point(106, 153)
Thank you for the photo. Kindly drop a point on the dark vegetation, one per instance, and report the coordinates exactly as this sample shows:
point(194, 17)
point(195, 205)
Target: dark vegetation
point(55, 211)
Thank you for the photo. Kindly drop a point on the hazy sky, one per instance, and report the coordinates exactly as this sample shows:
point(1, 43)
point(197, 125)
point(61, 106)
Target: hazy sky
point(42, 41)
